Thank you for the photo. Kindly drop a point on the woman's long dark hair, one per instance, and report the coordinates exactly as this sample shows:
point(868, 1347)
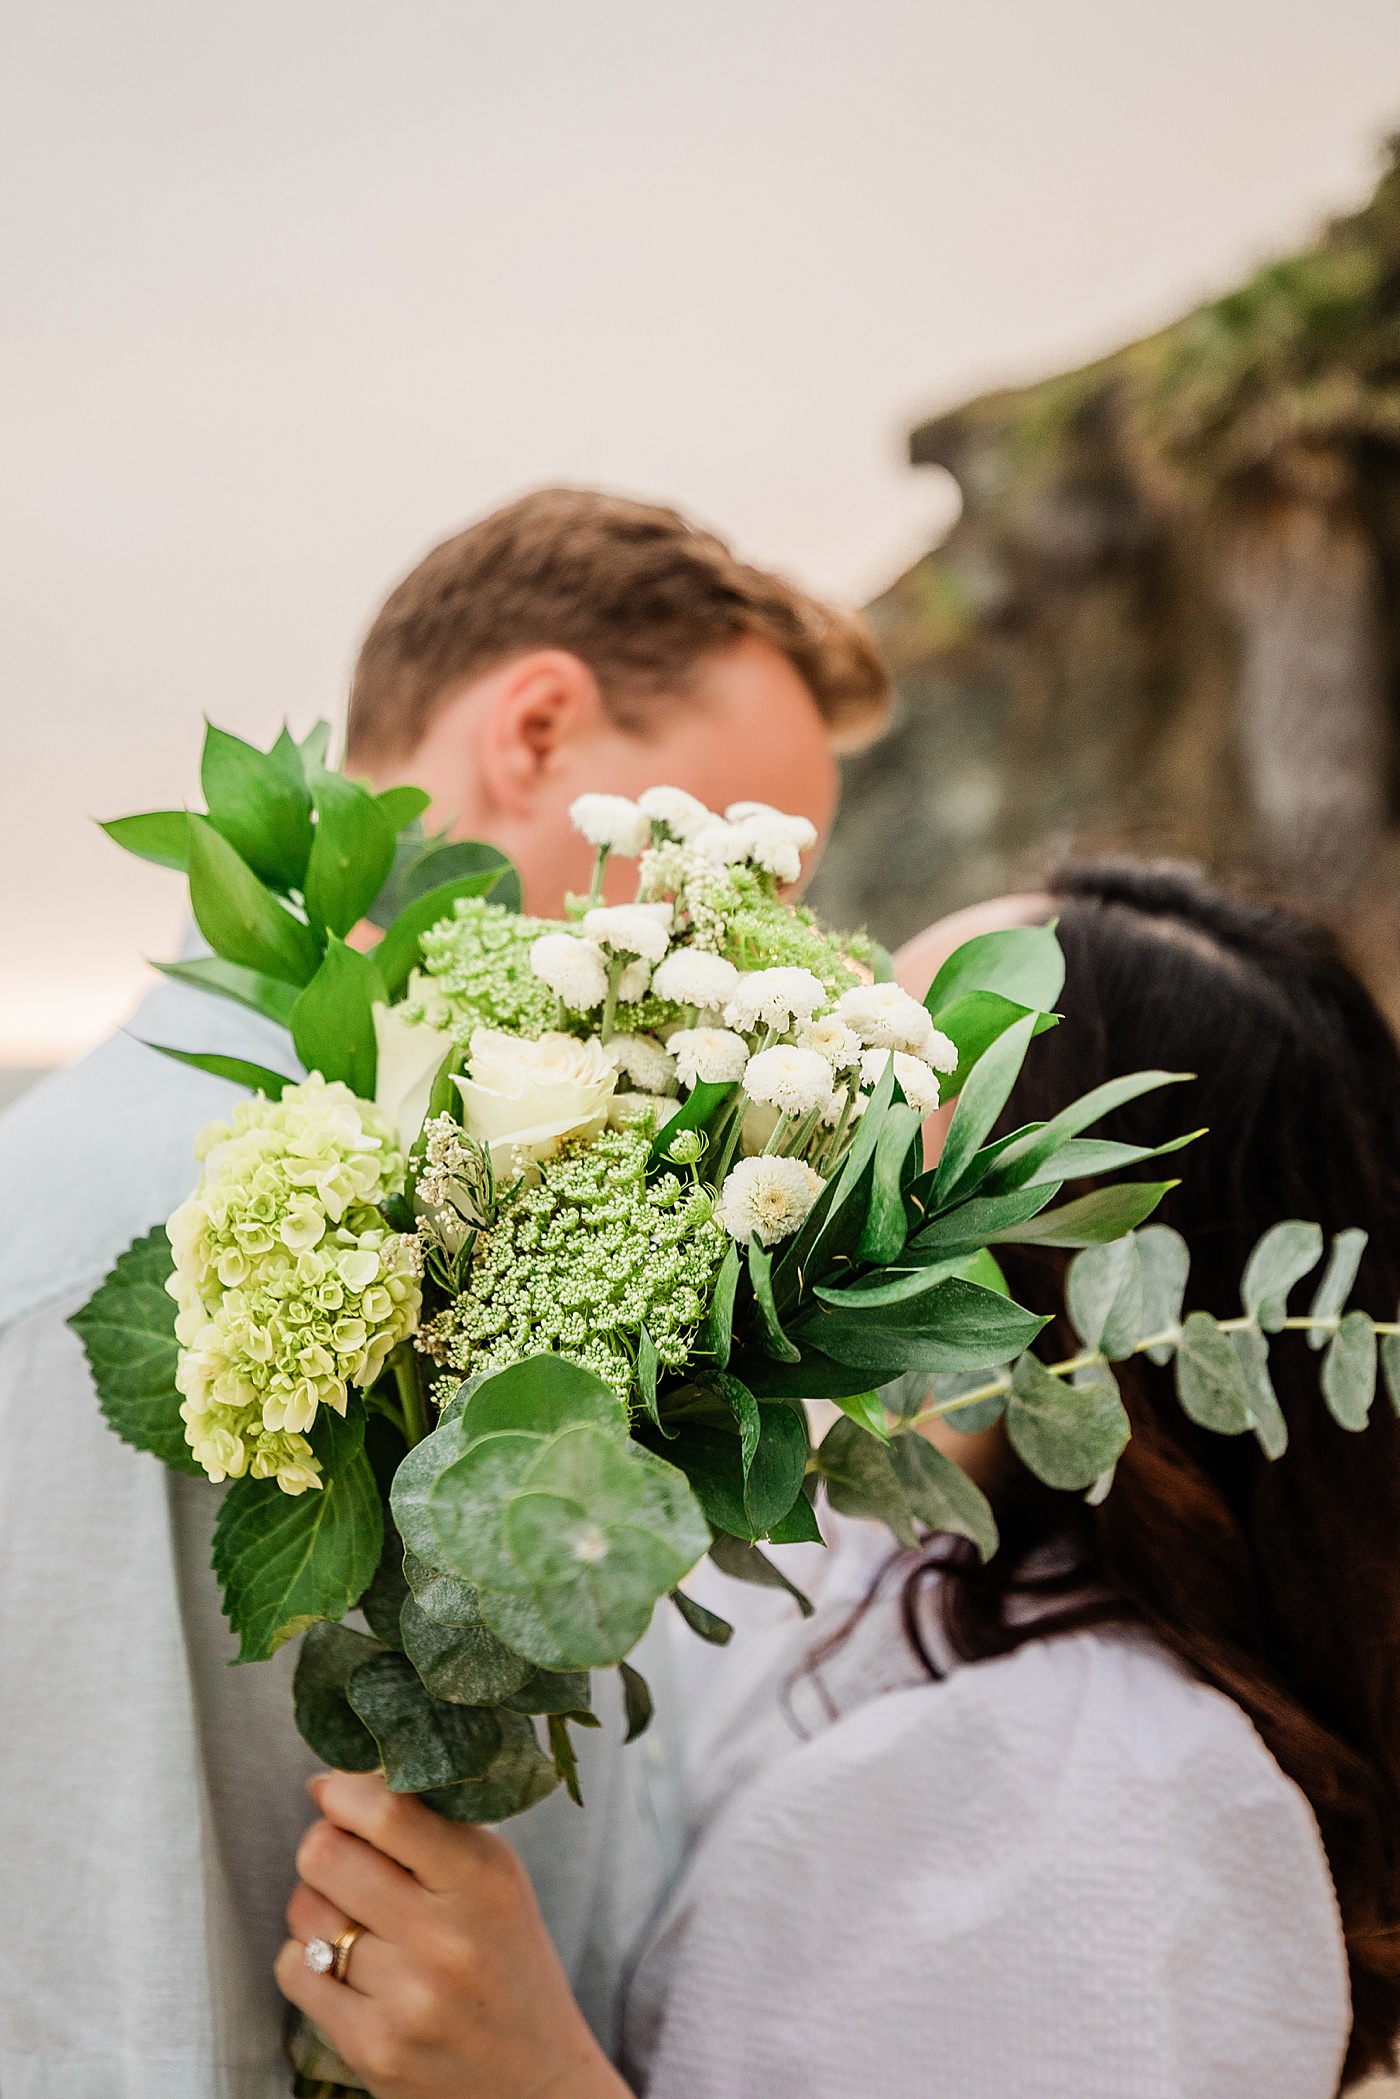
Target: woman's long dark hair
point(1279, 1583)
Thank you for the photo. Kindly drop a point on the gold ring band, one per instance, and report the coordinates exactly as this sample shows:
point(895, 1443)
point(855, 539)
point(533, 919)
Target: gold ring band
point(341, 1951)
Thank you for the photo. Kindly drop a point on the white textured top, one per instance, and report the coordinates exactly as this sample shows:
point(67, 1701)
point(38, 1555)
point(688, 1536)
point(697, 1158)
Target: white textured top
point(1069, 1872)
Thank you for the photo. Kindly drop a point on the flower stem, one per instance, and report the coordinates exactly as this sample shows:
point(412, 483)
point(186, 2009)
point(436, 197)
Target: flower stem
point(616, 965)
point(596, 891)
point(411, 1395)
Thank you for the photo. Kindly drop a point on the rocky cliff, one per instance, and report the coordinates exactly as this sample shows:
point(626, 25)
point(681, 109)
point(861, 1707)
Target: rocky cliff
point(1168, 618)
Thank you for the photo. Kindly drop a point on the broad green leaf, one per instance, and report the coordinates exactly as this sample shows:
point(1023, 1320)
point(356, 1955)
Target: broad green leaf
point(1067, 1435)
point(518, 1775)
point(1165, 1261)
point(966, 1226)
point(981, 1101)
point(333, 1020)
point(1349, 1371)
point(744, 1562)
point(861, 1479)
point(637, 1701)
point(978, 1414)
point(285, 1560)
point(1210, 1379)
point(1092, 1220)
point(1335, 1287)
point(940, 1493)
point(403, 804)
point(421, 864)
point(258, 801)
point(466, 1665)
point(774, 1477)
point(127, 1328)
point(867, 1410)
point(237, 1070)
point(799, 1526)
point(313, 746)
point(399, 951)
point(1390, 1367)
point(442, 1596)
point(893, 1286)
point(1103, 1293)
point(716, 1334)
point(383, 1601)
point(565, 1762)
point(326, 1720)
point(1285, 1254)
point(708, 1624)
point(540, 1395)
point(711, 1461)
point(885, 1223)
point(241, 920)
point(836, 1209)
point(1023, 963)
point(772, 1339)
point(703, 1108)
point(1025, 1158)
point(555, 1691)
point(246, 987)
point(1267, 1420)
point(744, 1408)
point(1080, 1157)
point(423, 1741)
point(973, 1023)
point(815, 1377)
point(956, 1326)
point(351, 853)
point(591, 1530)
point(161, 835)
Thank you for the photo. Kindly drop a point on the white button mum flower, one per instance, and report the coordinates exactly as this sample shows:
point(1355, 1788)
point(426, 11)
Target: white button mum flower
point(771, 849)
point(643, 1059)
point(611, 820)
point(774, 998)
point(919, 1083)
point(711, 1054)
point(722, 843)
point(886, 1017)
point(682, 814)
point(831, 1038)
point(791, 1079)
point(691, 977)
point(633, 983)
point(631, 929)
point(772, 1197)
point(574, 968)
point(802, 833)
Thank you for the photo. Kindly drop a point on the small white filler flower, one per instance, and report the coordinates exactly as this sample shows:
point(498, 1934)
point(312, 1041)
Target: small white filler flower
point(886, 1017)
point(682, 814)
point(771, 1196)
point(643, 930)
point(919, 1083)
point(575, 970)
point(711, 1054)
point(793, 1080)
point(774, 998)
point(611, 823)
point(690, 976)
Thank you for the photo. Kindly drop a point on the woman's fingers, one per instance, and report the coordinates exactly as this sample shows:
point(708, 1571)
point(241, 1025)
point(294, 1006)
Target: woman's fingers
point(357, 1879)
point(436, 1852)
point(345, 2015)
point(370, 1967)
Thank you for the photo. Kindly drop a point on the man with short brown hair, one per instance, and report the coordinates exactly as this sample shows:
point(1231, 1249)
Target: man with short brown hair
point(150, 1796)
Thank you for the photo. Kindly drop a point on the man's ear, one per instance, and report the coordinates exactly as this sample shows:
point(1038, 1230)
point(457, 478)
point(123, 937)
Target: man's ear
point(535, 708)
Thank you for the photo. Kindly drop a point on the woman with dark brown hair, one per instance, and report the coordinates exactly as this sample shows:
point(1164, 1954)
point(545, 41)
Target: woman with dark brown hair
point(1116, 1814)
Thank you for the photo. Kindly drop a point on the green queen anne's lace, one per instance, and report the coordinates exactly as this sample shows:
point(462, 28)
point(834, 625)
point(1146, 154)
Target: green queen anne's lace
point(580, 1261)
point(290, 1285)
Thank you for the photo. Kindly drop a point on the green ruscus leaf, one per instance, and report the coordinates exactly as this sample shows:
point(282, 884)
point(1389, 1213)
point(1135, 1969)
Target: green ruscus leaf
point(351, 853)
point(258, 800)
point(285, 1560)
point(333, 1020)
point(241, 920)
point(127, 1328)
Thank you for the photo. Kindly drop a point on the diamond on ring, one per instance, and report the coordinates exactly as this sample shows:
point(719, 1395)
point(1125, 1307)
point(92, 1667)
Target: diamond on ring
point(319, 1956)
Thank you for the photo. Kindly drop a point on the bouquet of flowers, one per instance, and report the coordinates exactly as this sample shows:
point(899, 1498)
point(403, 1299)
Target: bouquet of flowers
point(504, 1316)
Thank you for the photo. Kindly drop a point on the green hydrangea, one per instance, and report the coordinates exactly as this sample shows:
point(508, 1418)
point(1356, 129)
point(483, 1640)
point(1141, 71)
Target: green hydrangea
point(580, 1261)
point(290, 1285)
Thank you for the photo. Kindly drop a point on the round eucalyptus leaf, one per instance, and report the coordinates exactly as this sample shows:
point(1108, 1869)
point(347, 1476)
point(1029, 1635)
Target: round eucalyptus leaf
point(466, 1665)
point(519, 1774)
point(423, 1741)
point(326, 1721)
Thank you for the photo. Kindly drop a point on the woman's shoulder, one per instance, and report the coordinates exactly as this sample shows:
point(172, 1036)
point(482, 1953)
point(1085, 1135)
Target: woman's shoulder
point(1068, 1864)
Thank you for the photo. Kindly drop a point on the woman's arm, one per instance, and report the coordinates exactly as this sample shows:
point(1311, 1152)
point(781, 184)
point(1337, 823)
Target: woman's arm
point(452, 1990)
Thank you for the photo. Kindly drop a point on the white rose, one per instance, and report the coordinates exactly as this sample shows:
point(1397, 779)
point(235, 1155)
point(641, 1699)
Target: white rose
point(410, 1057)
point(524, 1097)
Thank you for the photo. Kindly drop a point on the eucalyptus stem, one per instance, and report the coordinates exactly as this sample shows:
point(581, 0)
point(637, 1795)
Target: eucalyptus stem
point(411, 1396)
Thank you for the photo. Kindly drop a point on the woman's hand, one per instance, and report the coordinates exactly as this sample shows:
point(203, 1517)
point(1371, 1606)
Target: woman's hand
point(453, 1989)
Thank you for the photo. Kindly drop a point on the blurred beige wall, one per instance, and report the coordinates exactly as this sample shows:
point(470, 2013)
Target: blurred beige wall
point(290, 290)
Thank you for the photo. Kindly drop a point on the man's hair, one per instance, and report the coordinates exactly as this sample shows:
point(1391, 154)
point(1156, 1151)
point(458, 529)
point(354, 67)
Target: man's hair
point(635, 591)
